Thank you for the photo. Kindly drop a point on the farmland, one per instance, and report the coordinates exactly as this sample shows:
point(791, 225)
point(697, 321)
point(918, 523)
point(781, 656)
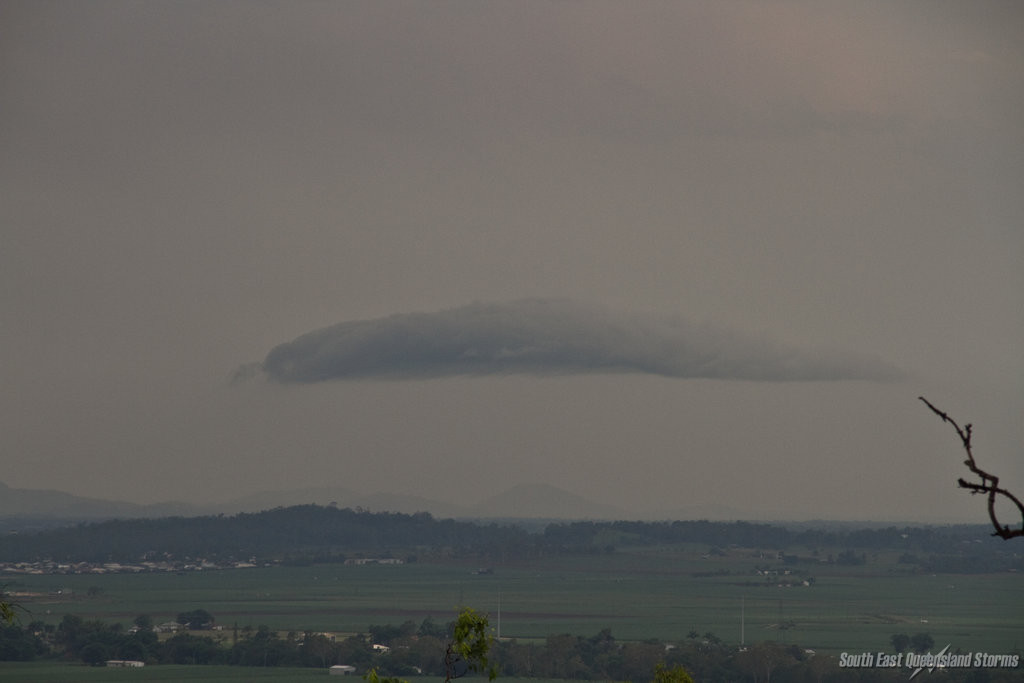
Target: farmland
point(54, 672)
point(664, 592)
point(309, 587)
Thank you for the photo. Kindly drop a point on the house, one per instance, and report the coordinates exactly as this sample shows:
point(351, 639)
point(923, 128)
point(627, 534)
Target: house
point(342, 670)
point(125, 663)
point(168, 627)
point(373, 560)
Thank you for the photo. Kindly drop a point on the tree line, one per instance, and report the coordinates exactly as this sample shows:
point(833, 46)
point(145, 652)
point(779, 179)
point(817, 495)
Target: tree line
point(311, 533)
point(419, 650)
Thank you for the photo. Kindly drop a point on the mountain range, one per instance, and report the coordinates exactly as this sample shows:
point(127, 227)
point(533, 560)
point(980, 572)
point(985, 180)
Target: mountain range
point(524, 501)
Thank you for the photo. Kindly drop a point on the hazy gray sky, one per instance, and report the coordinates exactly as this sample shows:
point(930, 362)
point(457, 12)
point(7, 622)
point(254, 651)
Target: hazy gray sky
point(653, 253)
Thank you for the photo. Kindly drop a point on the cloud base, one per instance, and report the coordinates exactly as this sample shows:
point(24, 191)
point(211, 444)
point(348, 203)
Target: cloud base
point(547, 337)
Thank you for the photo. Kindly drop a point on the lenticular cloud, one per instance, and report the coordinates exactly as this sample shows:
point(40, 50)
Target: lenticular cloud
point(546, 337)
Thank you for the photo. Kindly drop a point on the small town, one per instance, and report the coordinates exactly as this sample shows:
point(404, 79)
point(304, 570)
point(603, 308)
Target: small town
point(148, 566)
point(153, 566)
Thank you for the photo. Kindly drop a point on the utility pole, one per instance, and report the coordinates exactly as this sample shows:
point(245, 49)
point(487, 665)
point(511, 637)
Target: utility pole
point(743, 621)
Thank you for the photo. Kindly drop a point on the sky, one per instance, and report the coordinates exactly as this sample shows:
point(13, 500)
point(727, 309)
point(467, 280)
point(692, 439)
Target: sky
point(656, 254)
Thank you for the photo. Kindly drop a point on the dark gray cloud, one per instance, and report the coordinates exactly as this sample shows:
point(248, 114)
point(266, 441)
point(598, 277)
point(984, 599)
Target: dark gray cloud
point(548, 336)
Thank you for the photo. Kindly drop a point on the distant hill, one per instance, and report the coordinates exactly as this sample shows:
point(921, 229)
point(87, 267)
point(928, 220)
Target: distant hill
point(32, 508)
point(42, 504)
point(534, 501)
point(343, 498)
point(306, 534)
point(544, 501)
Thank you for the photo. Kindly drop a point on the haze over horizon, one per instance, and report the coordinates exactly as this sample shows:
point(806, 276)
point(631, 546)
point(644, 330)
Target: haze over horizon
point(656, 255)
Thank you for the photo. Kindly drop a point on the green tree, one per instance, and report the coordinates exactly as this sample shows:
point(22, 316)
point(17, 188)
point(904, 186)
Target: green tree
point(468, 649)
point(133, 648)
point(470, 644)
point(922, 642)
point(95, 654)
point(372, 676)
point(75, 633)
point(640, 659)
point(429, 628)
point(763, 659)
point(318, 647)
point(677, 674)
point(7, 608)
point(900, 642)
point(185, 648)
point(387, 633)
point(18, 644)
point(6, 612)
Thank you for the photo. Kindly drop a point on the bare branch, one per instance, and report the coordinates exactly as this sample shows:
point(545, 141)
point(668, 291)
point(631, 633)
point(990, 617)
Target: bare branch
point(989, 483)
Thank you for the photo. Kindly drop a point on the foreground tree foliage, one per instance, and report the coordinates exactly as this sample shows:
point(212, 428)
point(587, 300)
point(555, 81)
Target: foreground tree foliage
point(676, 674)
point(469, 646)
point(8, 609)
point(468, 649)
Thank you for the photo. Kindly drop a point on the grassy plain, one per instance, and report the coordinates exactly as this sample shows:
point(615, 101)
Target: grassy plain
point(662, 593)
point(54, 672)
point(59, 672)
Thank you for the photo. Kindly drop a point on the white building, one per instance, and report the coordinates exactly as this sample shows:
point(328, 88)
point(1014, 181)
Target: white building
point(342, 670)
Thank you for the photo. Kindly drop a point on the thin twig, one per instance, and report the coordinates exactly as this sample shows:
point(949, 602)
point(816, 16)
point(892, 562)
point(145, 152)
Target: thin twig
point(989, 482)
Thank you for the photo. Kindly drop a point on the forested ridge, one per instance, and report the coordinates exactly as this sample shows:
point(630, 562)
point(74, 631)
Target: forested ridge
point(315, 533)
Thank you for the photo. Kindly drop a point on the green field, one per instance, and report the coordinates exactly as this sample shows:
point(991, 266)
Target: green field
point(51, 672)
point(640, 594)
